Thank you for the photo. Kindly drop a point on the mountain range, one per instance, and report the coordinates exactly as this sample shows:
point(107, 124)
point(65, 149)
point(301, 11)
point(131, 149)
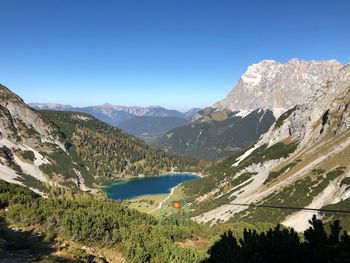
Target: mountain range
point(61, 147)
point(130, 118)
point(302, 161)
point(228, 126)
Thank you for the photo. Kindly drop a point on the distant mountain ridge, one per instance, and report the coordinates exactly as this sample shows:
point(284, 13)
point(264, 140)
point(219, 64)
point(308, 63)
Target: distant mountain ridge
point(114, 114)
point(144, 122)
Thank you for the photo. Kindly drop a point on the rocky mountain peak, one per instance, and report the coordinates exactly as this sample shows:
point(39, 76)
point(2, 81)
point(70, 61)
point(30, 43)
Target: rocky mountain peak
point(276, 86)
point(5, 93)
point(325, 111)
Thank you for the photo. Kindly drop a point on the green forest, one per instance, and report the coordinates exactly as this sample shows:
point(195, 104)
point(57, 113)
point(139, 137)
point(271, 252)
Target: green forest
point(213, 140)
point(93, 220)
point(110, 153)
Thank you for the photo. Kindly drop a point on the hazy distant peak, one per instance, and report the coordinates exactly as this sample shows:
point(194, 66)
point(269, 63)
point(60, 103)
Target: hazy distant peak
point(50, 106)
point(107, 105)
point(156, 107)
point(115, 114)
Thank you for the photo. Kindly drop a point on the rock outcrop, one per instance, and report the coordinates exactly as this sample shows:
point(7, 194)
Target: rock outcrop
point(278, 87)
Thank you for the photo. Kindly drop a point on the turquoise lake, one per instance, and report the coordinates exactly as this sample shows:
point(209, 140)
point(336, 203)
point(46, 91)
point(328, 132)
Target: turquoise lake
point(131, 188)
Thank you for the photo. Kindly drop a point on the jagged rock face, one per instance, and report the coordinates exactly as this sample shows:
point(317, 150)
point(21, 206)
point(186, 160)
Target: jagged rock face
point(25, 137)
point(326, 110)
point(19, 122)
point(278, 87)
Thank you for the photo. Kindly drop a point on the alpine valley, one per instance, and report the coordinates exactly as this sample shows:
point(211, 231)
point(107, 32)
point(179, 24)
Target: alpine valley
point(72, 149)
point(265, 91)
point(175, 131)
point(302, 161)
point(144, 122)
point(277, 145)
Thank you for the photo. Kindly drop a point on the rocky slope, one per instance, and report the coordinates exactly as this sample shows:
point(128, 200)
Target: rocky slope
point(302, 161)
point(25, 137)
point(278, 87)
point(71, 149)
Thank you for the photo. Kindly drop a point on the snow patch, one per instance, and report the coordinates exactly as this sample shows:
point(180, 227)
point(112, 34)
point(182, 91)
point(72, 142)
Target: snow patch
point(243, 113)
point(262, 116)
point(245, 155)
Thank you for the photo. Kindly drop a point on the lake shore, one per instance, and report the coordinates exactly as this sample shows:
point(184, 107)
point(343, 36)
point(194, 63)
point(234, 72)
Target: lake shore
point(194, 173)
point(172, 191)
point(175, 193)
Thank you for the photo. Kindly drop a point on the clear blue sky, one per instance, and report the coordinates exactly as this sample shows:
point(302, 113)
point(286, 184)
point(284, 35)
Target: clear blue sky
point(174, 53)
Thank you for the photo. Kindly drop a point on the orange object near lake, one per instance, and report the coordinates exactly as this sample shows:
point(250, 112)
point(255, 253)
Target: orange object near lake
point(176, 205)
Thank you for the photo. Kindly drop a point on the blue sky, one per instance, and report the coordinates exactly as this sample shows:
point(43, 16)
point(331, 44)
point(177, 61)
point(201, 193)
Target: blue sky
point(178, 54)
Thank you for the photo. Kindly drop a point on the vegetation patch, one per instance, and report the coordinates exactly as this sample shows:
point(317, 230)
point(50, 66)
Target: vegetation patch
point(343, 205)
point(345, 181)
point(109, 152)
point(242, 178)
point(275, 174)
point(299, 194)
point(213, 140)
point(28, 155)
point(283, 117)
point(60, 163)
point(30, 181)
point(211, 203)
point(92, 220)
point(242, 185)
point(276, 151)
point(226, 170)
point(26, 130)
point(8, 158)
